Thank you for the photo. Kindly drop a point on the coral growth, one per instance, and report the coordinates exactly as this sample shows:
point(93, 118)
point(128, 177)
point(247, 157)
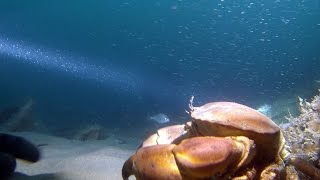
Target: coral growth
point(303, 132)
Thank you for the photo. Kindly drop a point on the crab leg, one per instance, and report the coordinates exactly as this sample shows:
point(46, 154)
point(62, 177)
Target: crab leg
point(305, 167)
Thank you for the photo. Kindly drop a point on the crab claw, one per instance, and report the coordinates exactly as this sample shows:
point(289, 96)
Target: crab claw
point(153, 162)
point(193, 158)
point(305, 167)
point(127, 169)
point(204, 157)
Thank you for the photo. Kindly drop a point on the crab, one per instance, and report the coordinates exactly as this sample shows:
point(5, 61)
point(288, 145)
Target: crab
point(223, 140)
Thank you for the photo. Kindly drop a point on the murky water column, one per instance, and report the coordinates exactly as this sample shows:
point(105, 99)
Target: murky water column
point(108, 75)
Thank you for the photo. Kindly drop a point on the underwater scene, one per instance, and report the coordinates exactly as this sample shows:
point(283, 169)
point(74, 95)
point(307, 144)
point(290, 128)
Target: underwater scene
point(158, 89)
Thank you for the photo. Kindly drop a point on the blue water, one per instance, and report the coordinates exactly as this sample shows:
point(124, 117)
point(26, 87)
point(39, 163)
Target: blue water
point(117, 62)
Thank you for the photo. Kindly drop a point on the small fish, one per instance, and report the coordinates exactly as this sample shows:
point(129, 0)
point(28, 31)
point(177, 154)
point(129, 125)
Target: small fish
point(160, 118)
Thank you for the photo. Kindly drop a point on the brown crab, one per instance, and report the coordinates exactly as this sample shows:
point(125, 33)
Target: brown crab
point(224, 140)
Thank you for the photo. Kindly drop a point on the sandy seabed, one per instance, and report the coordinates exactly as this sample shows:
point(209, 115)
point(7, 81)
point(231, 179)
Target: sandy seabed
point(74, 160)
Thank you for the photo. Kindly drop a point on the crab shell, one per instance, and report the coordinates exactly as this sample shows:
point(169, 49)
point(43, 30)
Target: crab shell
point(193, 158)
point(223, 119)
point(168, 135)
